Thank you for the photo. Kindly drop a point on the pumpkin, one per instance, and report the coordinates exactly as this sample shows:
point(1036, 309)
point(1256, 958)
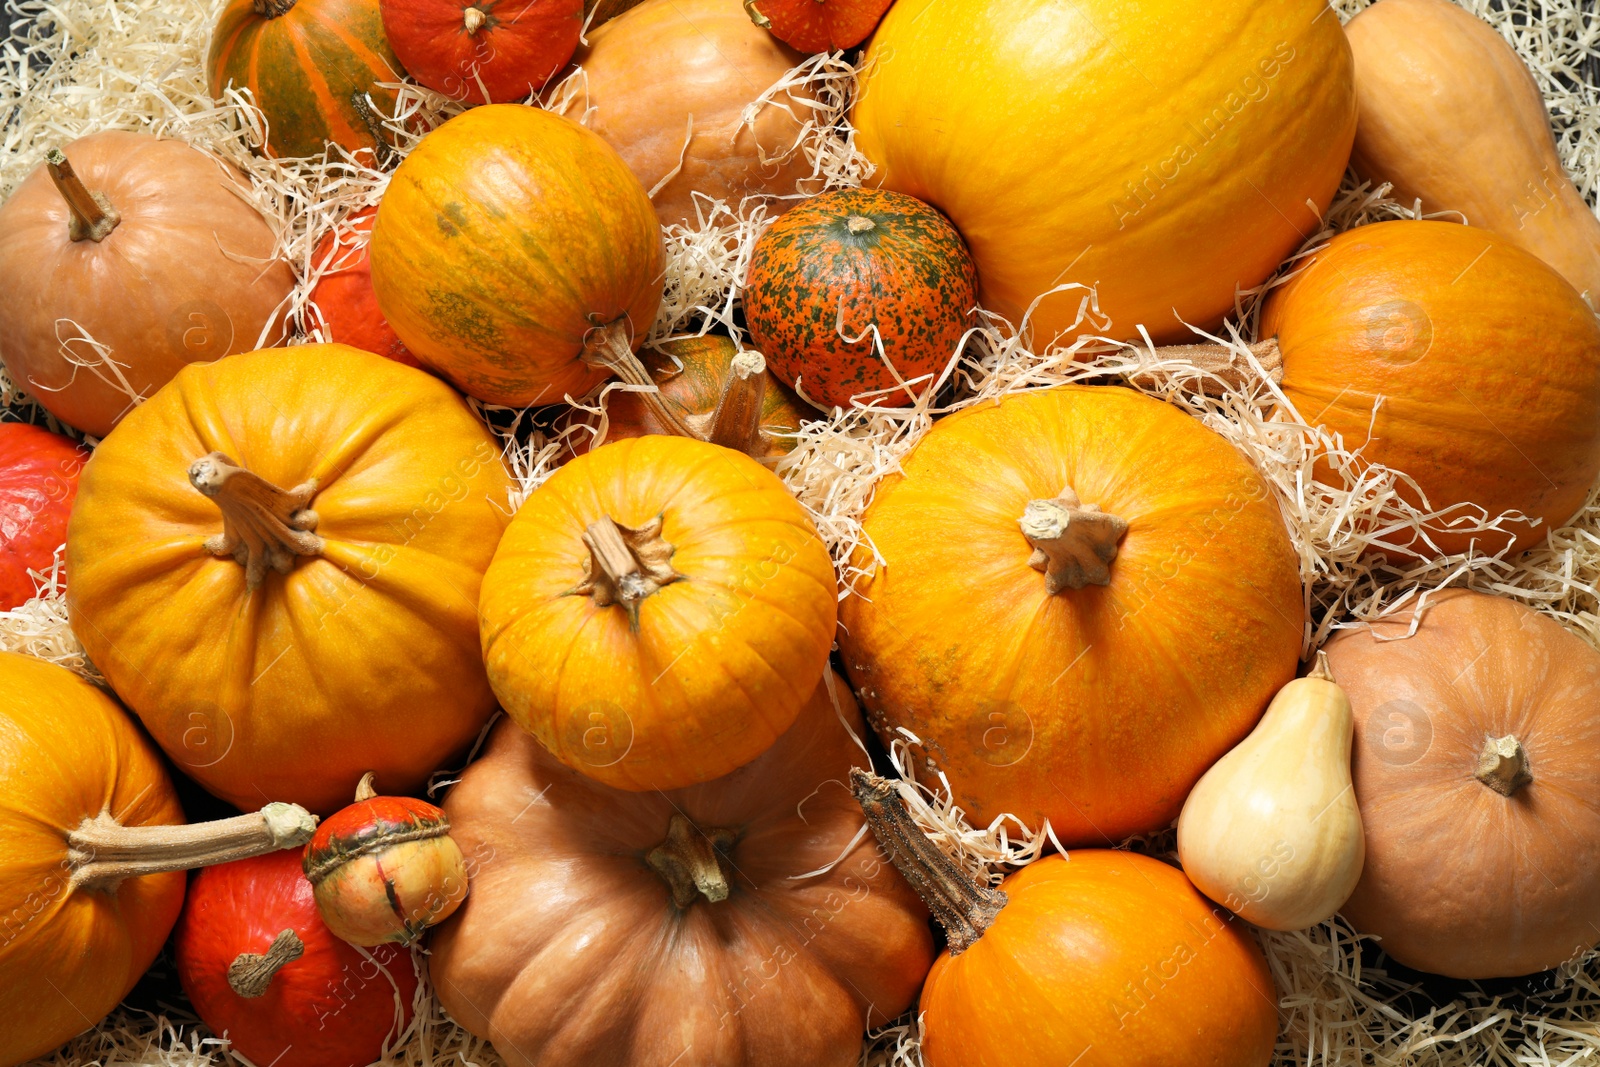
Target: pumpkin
point(846, 261)
point(1101, 958)
point(1166, 169)
point(1450, 115)
point(483, 51)
point(313, 67)
point(739, 923)
point(38, 483)
point(1085, 599)
point(384, 868)
point(93, 844)
point(658, 612)
point(667, 84)
point(123, 263)
point(1272, 831)
point(262, 970)
point(702, 376)
point(1477, 768)
point(275, 562)
point(1450, 354)
point(346, 305)
point(462, 266)
point(818, 27)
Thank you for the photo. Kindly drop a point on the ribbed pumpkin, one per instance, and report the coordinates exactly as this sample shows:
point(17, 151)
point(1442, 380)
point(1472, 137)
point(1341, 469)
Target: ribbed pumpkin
point(38, 484)
point(658, 612)
point(1449, 353)
point(848, 260)
point(517, 255)
point(466, 48)
point(818, 27)
point(346, 307)
point(1096, 693)
point(1163, 152)
point(275, 561)
point(313, 68)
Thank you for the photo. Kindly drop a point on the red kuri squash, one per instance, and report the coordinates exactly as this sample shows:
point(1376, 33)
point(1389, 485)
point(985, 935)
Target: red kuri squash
point(38, 484)
point(483, 51)
point(811, 26)
point(346, 306)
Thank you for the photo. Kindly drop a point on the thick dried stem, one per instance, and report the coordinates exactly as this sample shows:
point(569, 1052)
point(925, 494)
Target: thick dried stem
point(736, 423)
point(251, 973)
point(103, 852)
point(859, 224)
point(1320, 669)
point(271, 9)
point(607, 349)
point(473, 18)
point(964, 906)
point(755, 16)
point(693, 861)
point(93, 217)
point(625, 564)
point(1222, 362)
point(262, 525)
point(365, 789)
point(1503, 765)
point(1073, 543)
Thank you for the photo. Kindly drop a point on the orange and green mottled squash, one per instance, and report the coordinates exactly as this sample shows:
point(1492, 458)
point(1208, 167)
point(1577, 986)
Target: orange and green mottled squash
point(846, 261)
point(312, 67)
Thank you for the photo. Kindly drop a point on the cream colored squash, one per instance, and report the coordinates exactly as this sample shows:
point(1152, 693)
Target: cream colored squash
point(1272, 831)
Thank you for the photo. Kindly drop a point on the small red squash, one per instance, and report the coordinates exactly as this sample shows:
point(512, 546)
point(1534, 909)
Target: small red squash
point(263, 971)
point(848, 260)
point(312, 67)
point(385, 868)
point(815, 26)
point(38, 484)
point(343, 295)
point(483, 51)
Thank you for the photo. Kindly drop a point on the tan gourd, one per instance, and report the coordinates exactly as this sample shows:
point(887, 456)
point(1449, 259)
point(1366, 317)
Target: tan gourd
point(1450, 115)
point(1272, 831)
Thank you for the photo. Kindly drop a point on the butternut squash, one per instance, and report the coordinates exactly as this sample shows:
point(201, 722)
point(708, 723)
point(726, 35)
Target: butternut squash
point(1449, 113)
point(1272, 831)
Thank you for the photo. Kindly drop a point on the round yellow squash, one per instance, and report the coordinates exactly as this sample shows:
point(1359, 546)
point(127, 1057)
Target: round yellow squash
point(1164, 152)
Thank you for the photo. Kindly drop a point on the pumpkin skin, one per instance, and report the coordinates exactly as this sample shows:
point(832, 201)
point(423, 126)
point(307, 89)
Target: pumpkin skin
point(814, 27)
point(1062, 158)
point(331, 1007)
point(68, 753)
point(615, 974)
point(872, 258)
point(343, 294)
point(1461, 880)
point(1090, 942)
point(307, 63)
point(1063, 707)
point(1450, 115)
point(189, 275)
point(711, 670)
point(652, 70)
point(1487, 360)
point(38, 483)
point(363, 657)
point(508, 47)
point(510, 329)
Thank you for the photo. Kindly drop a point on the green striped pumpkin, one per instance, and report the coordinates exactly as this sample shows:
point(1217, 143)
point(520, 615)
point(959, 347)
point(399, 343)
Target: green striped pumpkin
point(313, 68)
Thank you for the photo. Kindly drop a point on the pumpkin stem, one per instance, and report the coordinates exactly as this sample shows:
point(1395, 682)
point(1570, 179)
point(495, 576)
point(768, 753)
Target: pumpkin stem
point(692, 861)
point(1320, 669)
point(859, 224)
point(93, 217)
point(103, 852)
point(625, 564)
point(964, 906)
point(1073, 543)
point(473, 18)
point(1220, 361)
point(736, 423)
point(607, 348)
point(365, 790)
point(1503, 765)
point(262, 526)
point(251, 973)
point(271, 9)
point(755, 16)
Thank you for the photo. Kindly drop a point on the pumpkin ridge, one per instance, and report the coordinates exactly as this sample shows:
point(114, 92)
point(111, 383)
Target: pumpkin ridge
point(353, 44)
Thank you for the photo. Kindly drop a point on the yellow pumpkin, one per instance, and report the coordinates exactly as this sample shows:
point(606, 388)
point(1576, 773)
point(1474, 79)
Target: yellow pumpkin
point(1164, 151)
point(275, 561)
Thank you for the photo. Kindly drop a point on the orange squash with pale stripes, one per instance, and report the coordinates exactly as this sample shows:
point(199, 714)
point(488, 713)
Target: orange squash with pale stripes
point(312, 67)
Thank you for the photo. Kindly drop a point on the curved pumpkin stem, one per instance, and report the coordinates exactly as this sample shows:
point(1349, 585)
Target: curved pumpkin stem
point(103, 852)
point(1221, 362)
point(1503, 765)
point(755, 16)
point(271, 9)
point(93, 217)
point(607, 348)
point(251, 973)
point(262, 525)
point(692, 861)
point(625, 564)
point(736, 423)
point(1073, 543)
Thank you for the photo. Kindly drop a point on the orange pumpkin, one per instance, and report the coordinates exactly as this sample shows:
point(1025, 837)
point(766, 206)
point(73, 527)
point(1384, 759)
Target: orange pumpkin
point(517, 255)
point(1477, 769)
point(1449, 353)
point(1096, 693)
point(658, 612)
point(618, 929)
point(275, 561)
point(89, 887)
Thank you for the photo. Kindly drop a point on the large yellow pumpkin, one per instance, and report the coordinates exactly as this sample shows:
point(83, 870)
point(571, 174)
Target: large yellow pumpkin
point(275, 561)
point(1086, 598)
point(1162, 151)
